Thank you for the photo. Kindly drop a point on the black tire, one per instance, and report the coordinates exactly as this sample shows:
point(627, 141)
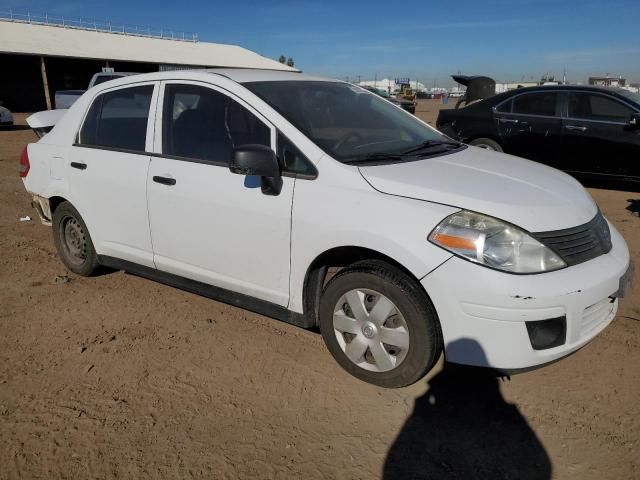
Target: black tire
point(72, 240)
point(487, 143)
point(425, 345)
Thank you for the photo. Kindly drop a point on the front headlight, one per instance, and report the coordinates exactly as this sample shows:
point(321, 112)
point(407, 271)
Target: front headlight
point(494, 243)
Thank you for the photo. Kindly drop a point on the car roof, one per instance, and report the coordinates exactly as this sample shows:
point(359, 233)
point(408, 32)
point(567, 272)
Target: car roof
point(121, 74)
point(239, 75)
point(245, 75)
point(616, 92)
point(542, 88)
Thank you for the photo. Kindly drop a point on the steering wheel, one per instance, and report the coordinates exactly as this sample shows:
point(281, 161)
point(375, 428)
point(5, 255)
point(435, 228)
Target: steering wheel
point(345, 138)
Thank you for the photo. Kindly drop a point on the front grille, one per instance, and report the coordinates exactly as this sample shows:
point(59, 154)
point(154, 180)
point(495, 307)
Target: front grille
point(579, 244)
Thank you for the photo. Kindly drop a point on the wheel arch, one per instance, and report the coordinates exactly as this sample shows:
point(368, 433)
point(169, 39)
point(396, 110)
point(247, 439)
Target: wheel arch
point(339, 257)
point(55, 201)
point(58, 199)
point(46, 206)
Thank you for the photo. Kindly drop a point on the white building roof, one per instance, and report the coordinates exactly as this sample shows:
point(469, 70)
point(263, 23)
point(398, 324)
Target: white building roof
point(34, 39)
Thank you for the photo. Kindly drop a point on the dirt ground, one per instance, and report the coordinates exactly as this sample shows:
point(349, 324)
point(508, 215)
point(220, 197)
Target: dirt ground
point(120, 377)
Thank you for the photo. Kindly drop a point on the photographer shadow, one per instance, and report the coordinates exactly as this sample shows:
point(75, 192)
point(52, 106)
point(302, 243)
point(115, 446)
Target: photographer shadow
point(463, 428)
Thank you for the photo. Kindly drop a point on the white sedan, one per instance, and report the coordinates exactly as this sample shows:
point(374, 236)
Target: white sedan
point(256, 187)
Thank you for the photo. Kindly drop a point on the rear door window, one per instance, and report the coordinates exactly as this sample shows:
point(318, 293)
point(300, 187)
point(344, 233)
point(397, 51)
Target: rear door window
point(505, 107)
point(118, 120)
point(539, 103)
point(589, 106)
point(204, 124)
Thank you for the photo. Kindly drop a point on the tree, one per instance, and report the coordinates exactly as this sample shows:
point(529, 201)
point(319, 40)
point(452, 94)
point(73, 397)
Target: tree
point(282, 59)
point(290, 62)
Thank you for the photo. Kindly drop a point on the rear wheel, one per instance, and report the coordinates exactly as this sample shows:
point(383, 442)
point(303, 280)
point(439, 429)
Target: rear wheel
point(72, 240)
point(379, 325)
point(487, 144)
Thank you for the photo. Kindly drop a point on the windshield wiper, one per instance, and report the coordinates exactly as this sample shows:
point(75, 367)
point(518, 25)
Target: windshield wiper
point(372, 157)
point(430, 144)
point(398, 156)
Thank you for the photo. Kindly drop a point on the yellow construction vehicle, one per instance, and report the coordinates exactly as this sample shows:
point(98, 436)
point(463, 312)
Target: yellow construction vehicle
point(405, 92)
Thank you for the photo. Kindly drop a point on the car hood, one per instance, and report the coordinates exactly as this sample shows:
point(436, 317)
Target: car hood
point(528, 194)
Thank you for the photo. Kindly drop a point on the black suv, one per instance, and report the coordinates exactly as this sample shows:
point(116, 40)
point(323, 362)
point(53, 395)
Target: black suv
point(582, 130)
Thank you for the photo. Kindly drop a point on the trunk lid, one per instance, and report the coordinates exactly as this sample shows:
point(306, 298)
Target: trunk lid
point(43, 122)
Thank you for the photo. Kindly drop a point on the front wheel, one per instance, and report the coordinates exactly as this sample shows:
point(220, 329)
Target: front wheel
point(379, 325)
point(487, 144)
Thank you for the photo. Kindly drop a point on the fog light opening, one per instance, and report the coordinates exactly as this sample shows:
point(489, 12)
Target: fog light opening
point(545, 334)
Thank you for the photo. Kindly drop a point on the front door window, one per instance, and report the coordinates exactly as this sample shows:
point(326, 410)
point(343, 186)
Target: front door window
point(203, 124)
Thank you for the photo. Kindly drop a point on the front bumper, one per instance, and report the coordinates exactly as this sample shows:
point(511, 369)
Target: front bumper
point(483, 312)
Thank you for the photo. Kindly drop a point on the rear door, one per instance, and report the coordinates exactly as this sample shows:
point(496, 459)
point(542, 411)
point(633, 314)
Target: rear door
point(530, 126)
point(108, 168)
point(207, 223)
point(596, 136)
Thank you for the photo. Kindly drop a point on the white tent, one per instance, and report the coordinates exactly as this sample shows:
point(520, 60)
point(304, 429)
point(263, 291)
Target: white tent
point(390, 85)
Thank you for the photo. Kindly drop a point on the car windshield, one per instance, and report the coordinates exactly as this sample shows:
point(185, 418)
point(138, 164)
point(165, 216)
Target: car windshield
point(633, 96)
point(350, 123)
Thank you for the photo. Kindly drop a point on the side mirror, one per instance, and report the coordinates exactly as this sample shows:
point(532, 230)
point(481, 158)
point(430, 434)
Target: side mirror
point(634, 123)
point(259, 161)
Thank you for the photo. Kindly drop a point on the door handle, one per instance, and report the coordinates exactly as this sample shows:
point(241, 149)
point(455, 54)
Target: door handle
point(575, 127)
point(164, 180)
point(79, 166)
point(508, 120)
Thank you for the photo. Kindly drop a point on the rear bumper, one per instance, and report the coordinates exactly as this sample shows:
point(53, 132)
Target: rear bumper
point(483, 312)
point(43, 208)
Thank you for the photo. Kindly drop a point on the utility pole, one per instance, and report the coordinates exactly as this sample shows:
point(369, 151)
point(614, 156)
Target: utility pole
point(45, 83)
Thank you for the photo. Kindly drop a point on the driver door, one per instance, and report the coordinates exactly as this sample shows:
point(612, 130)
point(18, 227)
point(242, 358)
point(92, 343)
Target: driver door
point(208, 224)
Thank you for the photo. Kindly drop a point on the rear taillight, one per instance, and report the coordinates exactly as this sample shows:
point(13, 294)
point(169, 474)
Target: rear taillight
point(24, 162)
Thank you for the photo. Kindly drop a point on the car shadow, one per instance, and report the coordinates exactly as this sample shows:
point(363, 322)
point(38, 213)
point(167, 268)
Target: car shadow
point(634, 205)
point(14, 128)
point(463, 428)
